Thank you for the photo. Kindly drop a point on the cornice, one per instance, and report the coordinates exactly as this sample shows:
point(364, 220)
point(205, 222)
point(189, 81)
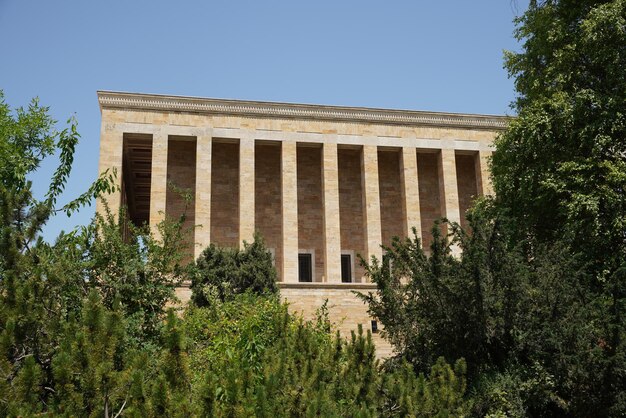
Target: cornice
point(164, 103)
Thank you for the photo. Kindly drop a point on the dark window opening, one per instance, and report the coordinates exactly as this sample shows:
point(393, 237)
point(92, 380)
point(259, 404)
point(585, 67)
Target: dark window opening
point(346, 268)
point(374, 327)
point(305, 268)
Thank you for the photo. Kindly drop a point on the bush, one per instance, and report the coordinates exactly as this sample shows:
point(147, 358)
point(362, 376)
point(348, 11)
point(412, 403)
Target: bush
point(251, 358)
point(224, 272)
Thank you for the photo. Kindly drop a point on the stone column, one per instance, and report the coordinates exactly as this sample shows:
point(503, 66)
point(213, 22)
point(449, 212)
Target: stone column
point(330, 201)
point(158, 181)
point(483, 174)
point(448, 189)
point(246, 190)
point(410, 192)
point(289, 190)
point(111, 155)
point(371, 202)
point(203, 194)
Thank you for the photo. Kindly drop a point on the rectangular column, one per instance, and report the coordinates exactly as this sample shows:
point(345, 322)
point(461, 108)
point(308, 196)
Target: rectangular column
point(371, 202)
point(203, 194)
point(330, 201)
point(246, 190)
point(158, 181)
point(483, 173)
point(289, 191)
point(448, 189)
point(410, 192)
point(111, 157)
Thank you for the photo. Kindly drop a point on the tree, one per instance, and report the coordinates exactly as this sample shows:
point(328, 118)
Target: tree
point(135, 269)
point(559, 170)
point(225, 272)
point(535, 303)
point(442, 306)
point(84, 329)
point(40, 283)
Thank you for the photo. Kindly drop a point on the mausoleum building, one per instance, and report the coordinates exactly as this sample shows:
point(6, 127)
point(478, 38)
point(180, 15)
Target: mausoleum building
point(321, 184)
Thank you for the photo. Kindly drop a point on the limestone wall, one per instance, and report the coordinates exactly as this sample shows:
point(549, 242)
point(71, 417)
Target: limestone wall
point(346, 311)
point(268, 211)
point(466, 182)
point(390, 195)
point(430, 207)
point(256, 162)
point(225, 194)
point(310, 218)
point(351, 206)
point(181, 172)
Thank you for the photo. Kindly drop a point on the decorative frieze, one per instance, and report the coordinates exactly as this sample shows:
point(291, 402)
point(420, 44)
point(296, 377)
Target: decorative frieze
point(155, 102)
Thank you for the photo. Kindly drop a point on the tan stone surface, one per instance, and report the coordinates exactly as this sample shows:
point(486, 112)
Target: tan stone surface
point(483, 136)
point(448, 189)
point(289, 206)
point(111, 154)
point(310, 209)
point(225, 194)
point(466, 182)
point(430, 206)
point(158, 181)
point(410, 192)
point(267, 201)
point(181, 174)
point(351, 206)
point(332, 234)
point(390, 189)
point(371, 202)
point(307, 183)
point(246, 190)
point(484, 185)
point(203, 194)
point(346, 311)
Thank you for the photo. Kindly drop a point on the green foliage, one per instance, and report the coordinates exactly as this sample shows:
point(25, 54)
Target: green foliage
point(438, 305)
point(535, 303)
point(524, 326)
point(559, 173)
point(224, 272)
point(136, 269)
point(84, 330)
point(250, 358)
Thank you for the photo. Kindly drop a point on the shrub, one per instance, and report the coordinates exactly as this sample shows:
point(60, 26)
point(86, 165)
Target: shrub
point(224, 272)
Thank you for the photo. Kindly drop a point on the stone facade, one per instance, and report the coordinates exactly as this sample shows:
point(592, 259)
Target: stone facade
point(332, 182)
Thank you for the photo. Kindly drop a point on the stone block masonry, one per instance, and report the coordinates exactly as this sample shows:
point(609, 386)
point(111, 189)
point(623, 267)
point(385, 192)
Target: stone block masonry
point(322, 184)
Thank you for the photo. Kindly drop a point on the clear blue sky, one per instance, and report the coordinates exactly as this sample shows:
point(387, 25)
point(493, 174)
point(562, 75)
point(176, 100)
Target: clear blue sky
point(423, 55)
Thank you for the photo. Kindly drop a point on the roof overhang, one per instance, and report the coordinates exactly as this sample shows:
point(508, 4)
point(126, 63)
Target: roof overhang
point(257, 109)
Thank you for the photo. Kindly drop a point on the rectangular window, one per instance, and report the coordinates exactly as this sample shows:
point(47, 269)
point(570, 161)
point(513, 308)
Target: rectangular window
point(272, 251)
point(305, 268)
point(346, 268)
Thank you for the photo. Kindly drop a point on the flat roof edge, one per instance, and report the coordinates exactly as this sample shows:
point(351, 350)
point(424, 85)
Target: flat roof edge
point(260, 109)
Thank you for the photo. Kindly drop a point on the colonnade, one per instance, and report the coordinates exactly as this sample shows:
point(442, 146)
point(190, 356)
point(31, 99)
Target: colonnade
point(371, 202)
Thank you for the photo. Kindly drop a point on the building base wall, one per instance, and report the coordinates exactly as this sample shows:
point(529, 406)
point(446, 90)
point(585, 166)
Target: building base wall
point(345, 310)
